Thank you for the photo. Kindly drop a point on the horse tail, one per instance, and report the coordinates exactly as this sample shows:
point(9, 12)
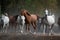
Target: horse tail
point(38, 17)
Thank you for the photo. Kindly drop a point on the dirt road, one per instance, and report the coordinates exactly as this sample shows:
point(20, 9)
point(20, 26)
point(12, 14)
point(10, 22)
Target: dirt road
point(19, 36)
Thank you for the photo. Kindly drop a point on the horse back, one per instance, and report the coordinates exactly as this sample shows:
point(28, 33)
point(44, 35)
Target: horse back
point(35, 17)
point(11, 18)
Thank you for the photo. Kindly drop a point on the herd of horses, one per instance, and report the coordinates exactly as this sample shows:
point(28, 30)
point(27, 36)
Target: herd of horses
point(25, 19)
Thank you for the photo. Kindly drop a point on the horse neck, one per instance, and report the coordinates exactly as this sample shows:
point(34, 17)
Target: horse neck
point(16, 16)
point(26, 16)
point(3, 16)
point(19, 17)
point(53, 15)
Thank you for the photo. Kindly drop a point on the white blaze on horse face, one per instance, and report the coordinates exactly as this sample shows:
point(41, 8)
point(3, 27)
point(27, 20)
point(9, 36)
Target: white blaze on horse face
point(6, 14)
point(18, 19)
point(23, 19)
point(3, 16)
point(46, 12)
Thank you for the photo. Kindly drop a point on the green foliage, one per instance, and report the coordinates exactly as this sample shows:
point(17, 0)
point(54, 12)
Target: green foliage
point(33, 6)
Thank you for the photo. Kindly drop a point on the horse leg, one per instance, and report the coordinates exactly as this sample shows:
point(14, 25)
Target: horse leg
point(3, 27)
point(27, 27)
point(22, 28)
point(15, 27)
point(33, 24)
point(10, 25)
point(19, 26)
point(7, 27)
point(50, 30)
point(51, 26)
point(44, 28)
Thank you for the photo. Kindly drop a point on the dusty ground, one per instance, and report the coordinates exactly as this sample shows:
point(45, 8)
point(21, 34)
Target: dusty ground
point(19, 36)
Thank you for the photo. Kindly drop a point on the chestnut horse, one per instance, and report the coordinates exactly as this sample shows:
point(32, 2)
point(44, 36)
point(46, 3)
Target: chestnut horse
point(30, 19)
point(13, 21)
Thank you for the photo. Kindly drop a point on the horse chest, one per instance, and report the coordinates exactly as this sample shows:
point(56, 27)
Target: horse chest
point(6, 20)
point(12, 19)
point(50, 20)
point(28, 20)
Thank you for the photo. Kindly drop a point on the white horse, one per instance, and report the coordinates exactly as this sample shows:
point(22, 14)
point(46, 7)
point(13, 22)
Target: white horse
point(21, 22)
point(51, 22)
point(5, 21)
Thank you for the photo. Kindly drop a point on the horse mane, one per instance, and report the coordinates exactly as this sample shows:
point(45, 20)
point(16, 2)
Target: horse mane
point(25, 11)
point(38, 16)
point(16, 16)
point(28, 13)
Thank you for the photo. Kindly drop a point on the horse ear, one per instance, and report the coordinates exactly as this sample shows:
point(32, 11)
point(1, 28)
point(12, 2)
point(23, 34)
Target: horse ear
point(28, 13)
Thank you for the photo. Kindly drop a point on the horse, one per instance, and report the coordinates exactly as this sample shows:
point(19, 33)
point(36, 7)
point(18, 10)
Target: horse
point(51, 21)
point(5, 20)
point(17, 20)
point(21, 22)
point(43, 23)
point(48, 20)
point(13, 21)
point(30, 19)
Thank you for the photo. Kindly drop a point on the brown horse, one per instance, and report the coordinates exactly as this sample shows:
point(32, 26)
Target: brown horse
point(13, 21)
point(30, 19)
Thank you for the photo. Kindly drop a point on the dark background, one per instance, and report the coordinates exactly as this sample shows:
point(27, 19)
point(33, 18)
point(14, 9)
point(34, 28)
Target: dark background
point(33, 6)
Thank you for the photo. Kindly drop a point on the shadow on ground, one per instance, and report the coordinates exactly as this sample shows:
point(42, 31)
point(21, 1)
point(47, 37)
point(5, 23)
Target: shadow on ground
point(19, 36)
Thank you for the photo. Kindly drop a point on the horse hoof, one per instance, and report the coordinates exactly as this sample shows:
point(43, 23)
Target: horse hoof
point(34, 32)
point(30, 32)
point(21, 31)
point(44, 33)
point(50, 34)
point(2, 31)
point(5, 31)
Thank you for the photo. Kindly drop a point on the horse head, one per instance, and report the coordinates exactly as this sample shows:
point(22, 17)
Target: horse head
point(3, 15)
point(28, 13)
point(6, 14)
point(16, 17)
point(25, 12)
